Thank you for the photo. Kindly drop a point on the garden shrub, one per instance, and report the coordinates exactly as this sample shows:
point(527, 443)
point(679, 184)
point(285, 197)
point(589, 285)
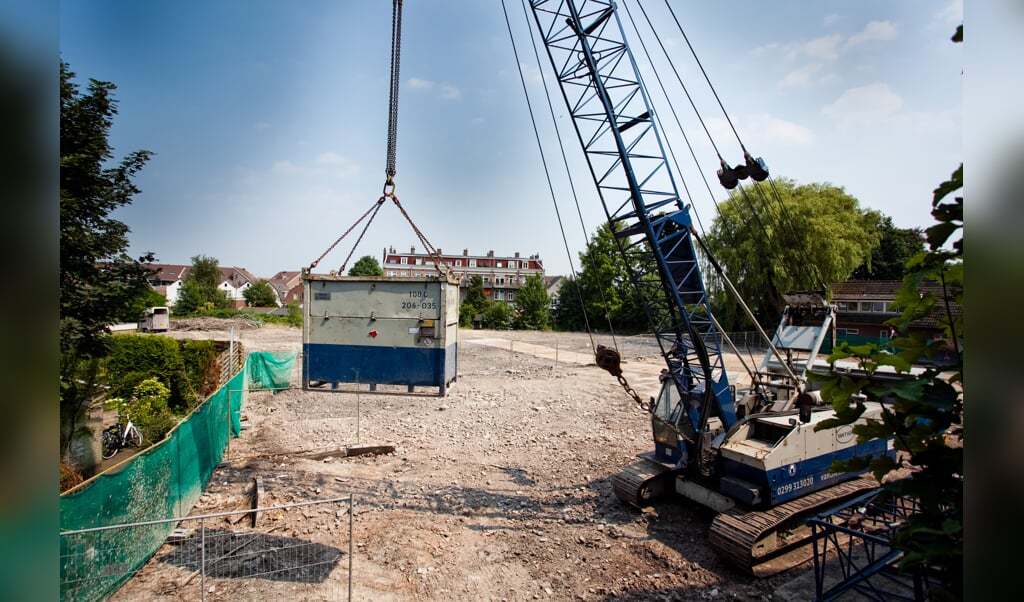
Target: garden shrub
point(149, 411)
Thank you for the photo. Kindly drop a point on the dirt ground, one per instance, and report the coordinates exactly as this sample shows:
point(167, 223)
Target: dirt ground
point(498, 491)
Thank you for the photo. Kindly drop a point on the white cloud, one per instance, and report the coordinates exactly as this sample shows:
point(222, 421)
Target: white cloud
point(831, 20)
point(328, 164)
point(875, 31)
point(775, 128)
point(951, 14)
point(449, 92)
point(445, 91)
point(808, 75)
point(823, 48)
point(337, 165)
point(864, 105)
point(420, 84)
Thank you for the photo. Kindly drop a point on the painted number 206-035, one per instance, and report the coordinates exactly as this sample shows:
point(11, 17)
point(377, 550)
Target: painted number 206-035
point(419, 301)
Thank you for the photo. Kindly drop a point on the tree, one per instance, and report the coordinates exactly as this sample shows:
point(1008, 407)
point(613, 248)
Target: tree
point(260, 294)
point(568, 311)
point(533, 304)
point(99, 282)
point(476, 301)
point(200, 291)
point(804, 238)
point(896, 247)
point(366, 266)
point(609, 299)
point(921, 413)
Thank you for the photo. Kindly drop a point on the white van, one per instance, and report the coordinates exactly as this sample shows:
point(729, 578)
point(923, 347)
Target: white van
point(156, 319)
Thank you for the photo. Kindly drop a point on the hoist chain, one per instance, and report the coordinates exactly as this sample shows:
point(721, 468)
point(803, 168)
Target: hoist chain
point(609, 360)
point(396, 53)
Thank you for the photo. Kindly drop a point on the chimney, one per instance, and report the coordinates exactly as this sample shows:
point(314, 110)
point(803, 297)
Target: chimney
point(490, 253)
point(439, 253)
point(412, 249)
point(517, 254)
point(465, 252)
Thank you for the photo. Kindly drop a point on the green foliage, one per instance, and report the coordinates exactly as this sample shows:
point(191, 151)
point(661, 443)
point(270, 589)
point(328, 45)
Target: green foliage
point(821, 237)
point(567, 314)
point(149, 411)
point(184, 367)
point(294, 314)
point(888, 260)
point(923, 413)
point(99, 282)
point(260, 294)
point(199, 292)
point(150, 298)
point(366, 265)
point(498, 316)
point(533, 305)
point(476, 301)
point(609, 298)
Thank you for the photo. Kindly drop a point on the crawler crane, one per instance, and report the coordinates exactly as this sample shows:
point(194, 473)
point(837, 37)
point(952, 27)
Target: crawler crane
point(750, 454)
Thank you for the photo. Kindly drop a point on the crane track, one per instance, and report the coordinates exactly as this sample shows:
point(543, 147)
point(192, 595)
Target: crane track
point(765, 542)
point(641, 483)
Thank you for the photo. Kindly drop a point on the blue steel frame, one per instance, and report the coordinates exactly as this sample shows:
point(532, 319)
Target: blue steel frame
point(616, 126)
point(855, 540)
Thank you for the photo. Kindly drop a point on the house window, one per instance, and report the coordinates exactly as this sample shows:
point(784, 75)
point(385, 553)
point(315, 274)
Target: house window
point(846, 306)
point(842, 332)
point(392, 260)
point(486, 279)
point(404, 274)
point(419, 261)
point(472, 263)
point(873, 306)
point(499, 296)
point(512, 265)
point(458, 263)
point(405, 261)
point(498, 264)
point(391, 274)
point(510, 295)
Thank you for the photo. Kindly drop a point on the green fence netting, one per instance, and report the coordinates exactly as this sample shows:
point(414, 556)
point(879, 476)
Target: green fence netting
point(161, 482)
point(271, 370)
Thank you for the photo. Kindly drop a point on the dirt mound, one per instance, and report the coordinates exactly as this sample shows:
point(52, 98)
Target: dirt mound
point(211, 324)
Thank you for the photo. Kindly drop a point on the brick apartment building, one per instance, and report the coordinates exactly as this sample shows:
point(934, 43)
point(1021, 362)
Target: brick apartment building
point(502, 276)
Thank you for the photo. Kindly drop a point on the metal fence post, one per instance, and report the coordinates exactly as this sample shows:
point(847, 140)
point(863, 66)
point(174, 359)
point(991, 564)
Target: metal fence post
point(202, 559)
point(350, 546)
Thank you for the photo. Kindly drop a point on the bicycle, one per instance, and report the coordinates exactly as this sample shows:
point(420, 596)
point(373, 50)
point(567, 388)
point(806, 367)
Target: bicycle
point(114, 438)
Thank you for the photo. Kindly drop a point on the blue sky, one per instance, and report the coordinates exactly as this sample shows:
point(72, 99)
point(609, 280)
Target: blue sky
point(268, 119)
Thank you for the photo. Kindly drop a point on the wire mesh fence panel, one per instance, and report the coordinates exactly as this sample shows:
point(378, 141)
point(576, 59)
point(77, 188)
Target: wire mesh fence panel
point(221, 557)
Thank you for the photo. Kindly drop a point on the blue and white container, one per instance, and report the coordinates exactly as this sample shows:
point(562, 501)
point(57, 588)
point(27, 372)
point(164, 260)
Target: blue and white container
point(370, 331)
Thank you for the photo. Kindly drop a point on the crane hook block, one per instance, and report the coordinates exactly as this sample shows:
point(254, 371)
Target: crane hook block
point(756, 168)
point(608, 359)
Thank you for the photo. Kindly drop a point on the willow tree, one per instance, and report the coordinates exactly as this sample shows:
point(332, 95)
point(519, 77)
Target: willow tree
point(776, 236)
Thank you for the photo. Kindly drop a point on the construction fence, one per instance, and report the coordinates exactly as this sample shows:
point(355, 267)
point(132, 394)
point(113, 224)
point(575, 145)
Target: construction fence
point(238, 555)
point(148, 492)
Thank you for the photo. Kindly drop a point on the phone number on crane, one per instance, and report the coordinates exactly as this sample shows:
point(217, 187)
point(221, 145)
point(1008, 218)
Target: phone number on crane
point(794, 486)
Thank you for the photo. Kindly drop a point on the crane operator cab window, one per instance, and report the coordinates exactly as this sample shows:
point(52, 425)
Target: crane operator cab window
point(668, 407)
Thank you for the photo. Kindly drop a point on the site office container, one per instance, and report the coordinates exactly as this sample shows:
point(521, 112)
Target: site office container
point(380, 331)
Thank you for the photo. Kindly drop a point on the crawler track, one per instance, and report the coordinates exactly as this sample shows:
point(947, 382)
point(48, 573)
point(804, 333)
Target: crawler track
point(765, 542)
point(641, 483)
